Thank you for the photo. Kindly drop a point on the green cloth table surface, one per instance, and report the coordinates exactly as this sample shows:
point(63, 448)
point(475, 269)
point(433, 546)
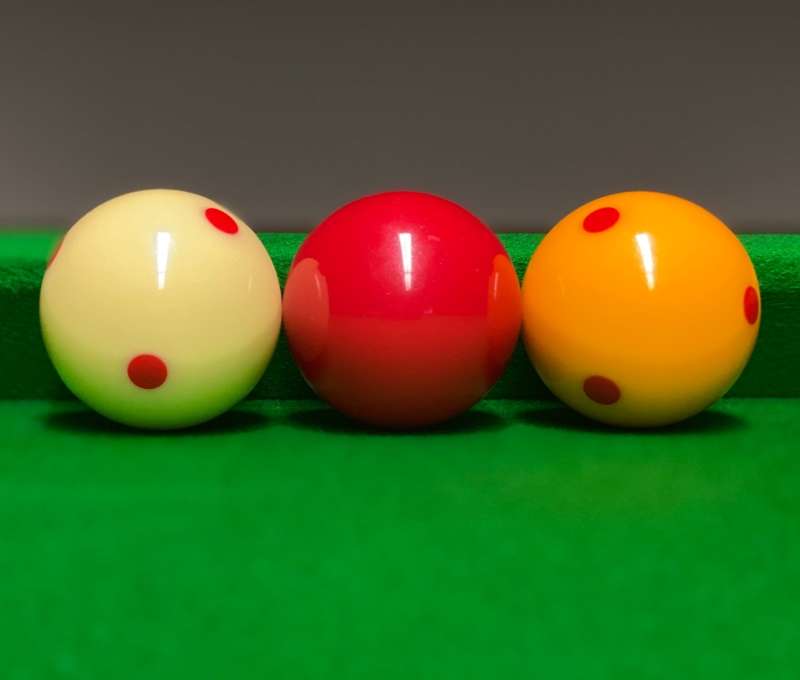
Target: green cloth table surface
point(517, 542)
point(282, 541)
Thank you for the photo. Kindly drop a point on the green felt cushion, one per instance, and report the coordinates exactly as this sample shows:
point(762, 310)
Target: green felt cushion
point(25, 371)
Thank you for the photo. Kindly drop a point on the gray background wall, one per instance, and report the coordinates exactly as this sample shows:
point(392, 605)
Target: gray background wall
point(284, 112)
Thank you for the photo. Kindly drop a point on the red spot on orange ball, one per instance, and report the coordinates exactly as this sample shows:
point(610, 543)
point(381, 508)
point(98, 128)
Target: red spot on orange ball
point(600, 219)
point(601, 390)
point(751, 305)
point(147, 371)
point(222, 220)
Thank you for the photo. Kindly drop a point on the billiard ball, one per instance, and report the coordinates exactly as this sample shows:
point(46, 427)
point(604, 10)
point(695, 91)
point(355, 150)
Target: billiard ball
point(401, 309)
point(160, 309)
point(640, 309)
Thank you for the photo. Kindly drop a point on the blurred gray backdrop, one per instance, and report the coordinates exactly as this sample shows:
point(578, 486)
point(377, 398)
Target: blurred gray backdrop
point(285, 111)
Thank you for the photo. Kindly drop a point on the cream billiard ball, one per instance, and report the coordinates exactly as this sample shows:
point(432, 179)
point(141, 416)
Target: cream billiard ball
point(160, 309)
point(640, 309)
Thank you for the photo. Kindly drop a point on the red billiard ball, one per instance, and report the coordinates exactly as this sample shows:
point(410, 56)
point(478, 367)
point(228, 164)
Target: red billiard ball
point(402, 309)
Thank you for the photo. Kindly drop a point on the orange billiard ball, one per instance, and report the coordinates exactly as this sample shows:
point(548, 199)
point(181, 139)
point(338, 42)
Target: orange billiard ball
point(640, 309)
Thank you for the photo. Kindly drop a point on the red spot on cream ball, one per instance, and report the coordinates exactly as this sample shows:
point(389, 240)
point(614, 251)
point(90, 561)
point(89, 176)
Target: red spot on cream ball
point(147, 371)
point(751, 305)
point(222, 221)
point(601, 390)
point(600, 219)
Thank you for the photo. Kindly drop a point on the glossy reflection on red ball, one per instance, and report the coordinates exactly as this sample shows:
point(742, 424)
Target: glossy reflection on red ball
point(402, 309)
